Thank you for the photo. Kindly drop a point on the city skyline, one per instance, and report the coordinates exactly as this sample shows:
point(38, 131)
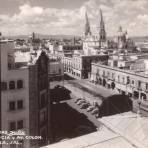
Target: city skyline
point(67, 17)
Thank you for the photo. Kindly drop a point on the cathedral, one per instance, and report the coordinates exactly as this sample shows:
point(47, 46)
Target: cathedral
point(94, 43)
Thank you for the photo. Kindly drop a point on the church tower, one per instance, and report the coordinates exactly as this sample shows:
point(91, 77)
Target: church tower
point(87, 26)
point(102, 32)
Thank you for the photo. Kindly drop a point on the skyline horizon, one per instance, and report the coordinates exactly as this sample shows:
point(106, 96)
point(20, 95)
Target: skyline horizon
point(68, 17)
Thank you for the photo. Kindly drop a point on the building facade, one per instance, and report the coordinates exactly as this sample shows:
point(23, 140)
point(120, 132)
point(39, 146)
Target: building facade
point(14, 93)
point(80, 66)
point(127, 82)
point(24, 97)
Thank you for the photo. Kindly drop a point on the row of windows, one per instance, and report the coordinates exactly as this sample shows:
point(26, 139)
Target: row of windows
point(16, 125)
point(11, 85)
point(16, 105)
point(124, 80)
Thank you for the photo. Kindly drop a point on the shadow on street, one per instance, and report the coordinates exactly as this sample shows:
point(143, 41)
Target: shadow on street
point(68, 123)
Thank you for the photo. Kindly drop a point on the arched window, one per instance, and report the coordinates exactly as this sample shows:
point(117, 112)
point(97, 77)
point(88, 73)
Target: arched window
point(11, 85)
point(19, 84)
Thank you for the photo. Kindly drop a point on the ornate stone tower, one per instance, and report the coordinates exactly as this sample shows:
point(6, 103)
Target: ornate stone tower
point(87, 26)
point(102, 32)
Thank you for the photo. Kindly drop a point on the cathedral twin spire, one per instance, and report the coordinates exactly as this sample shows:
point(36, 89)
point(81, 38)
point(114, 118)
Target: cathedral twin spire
point(102, 32)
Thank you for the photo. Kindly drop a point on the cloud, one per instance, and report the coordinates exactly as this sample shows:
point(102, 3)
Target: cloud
point(131, 14)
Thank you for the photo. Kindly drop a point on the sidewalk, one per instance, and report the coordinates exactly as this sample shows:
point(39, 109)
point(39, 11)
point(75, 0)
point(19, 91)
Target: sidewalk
point(103, 91)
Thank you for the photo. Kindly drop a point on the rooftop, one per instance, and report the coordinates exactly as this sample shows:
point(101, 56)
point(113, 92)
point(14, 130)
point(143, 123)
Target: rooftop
point(129, 125)
point(126, 130)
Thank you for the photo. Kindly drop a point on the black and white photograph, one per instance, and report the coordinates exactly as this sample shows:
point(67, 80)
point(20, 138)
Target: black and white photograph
point(73, 73)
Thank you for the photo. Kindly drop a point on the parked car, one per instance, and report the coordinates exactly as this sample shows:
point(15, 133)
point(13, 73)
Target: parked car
point(80, 102)
point(84, 105)
point(90, 108)
point(97, 115)
point(95, 111)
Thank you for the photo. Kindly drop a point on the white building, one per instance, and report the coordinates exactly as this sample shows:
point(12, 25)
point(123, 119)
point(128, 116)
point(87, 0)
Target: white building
point(24, 95)
point(14, 93)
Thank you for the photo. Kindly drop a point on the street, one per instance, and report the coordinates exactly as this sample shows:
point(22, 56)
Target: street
point(85, 89)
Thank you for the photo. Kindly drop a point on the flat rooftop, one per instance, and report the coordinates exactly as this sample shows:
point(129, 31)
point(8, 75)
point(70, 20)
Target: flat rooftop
point(126, 130)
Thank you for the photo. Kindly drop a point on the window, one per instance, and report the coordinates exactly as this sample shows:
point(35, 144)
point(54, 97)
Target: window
point(103, 73)
point(123, 80)
point(108, 74)
point(13, 145)
point(3, 86)
point(43, 100)
point(19, 104)
point(20, 124)
point(139, 84)
point(113, 75)
point(12, 126)
point(11, 85)
point(21, 145)
point(119, 79)
point(19, 84)
point(12, 105)
point(43, 116)
point(128, 80)
point(146, 86)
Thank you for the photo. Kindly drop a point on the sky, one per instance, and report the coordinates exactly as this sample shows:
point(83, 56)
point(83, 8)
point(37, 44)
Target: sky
point(67, 17)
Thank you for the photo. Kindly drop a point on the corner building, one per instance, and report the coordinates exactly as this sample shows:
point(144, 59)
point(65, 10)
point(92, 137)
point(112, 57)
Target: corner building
point(24, 97)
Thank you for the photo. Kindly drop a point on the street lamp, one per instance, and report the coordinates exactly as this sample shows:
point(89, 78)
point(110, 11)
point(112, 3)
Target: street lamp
point(139, 104)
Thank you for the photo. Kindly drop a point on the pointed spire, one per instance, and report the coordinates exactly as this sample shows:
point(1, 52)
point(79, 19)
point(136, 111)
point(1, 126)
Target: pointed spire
point(102, 32)
point(101, 20)
point(87, 25)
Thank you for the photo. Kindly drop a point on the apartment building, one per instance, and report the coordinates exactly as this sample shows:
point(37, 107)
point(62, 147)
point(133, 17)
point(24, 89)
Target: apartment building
point(24, 96)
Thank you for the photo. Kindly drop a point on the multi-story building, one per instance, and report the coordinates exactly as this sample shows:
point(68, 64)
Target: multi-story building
point(24, 96)
point(134, 84)
point(80, 65)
